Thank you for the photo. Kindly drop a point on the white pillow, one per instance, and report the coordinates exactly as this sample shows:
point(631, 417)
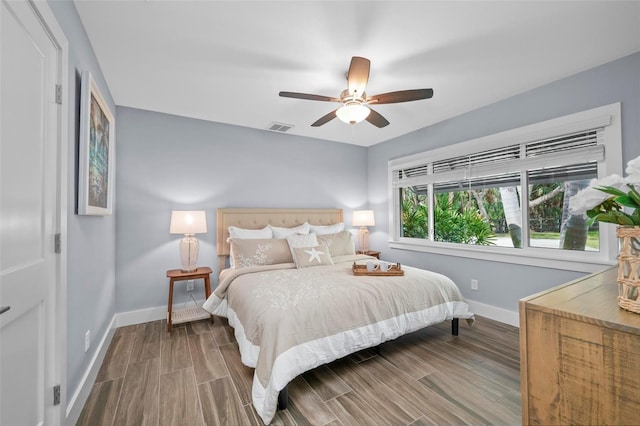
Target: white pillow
point(280, 233)
point(250, 234)
point(328, 229)
point(302, 240)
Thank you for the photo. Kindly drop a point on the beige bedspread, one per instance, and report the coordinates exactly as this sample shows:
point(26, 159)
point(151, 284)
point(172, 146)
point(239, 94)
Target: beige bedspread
point(282, 310)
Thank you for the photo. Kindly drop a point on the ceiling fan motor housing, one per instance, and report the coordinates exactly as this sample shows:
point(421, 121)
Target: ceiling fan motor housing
point(348, 98)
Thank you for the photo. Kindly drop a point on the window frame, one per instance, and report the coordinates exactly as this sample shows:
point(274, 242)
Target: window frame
point(607, 117)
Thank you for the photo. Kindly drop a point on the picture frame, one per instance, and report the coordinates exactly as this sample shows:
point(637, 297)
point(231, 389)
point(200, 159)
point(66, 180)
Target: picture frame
point(96, 151)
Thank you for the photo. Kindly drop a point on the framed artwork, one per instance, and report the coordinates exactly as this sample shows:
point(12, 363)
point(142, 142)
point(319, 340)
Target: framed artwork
point(96, 151)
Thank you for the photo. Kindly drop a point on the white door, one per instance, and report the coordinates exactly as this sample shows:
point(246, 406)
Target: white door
point(29, 71)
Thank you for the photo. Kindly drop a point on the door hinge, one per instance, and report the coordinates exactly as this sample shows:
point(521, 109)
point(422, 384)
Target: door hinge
point(59, 94)
point(57, 243)
point(56, 395)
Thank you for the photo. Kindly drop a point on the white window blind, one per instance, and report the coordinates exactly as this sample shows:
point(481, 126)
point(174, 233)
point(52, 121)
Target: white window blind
point(569, 156)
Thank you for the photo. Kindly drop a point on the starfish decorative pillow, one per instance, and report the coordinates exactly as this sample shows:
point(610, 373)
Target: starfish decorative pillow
point(305, 257)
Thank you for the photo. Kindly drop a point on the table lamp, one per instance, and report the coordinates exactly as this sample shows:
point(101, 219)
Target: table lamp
point(363, 218)
point(188, 223)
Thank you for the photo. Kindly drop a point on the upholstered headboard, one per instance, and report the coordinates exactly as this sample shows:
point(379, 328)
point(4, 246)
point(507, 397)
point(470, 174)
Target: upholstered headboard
point(250, 218)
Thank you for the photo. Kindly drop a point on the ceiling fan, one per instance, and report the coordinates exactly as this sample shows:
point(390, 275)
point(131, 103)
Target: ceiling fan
point(355, 102)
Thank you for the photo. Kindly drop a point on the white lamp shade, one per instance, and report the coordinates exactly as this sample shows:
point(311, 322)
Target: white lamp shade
point(363, 218)
point(188, 222)
point(353, 113)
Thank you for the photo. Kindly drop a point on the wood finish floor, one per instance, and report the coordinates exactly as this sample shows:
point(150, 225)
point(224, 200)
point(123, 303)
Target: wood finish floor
point(194, 376)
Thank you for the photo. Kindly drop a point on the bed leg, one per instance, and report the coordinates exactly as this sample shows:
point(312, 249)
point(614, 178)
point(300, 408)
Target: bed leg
point(454, 326)
point(283, 398)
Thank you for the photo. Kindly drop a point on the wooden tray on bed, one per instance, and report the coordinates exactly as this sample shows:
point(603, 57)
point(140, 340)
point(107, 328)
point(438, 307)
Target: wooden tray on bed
point(395, 271)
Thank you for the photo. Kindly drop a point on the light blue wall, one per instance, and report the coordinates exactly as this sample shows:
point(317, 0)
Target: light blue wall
point(91, 240)
point(167, 162)
point(503, 284)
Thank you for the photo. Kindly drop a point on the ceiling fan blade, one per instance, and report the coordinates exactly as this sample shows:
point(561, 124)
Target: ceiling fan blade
point(308, 97)
point(401, 96)
point(358, 75)
point(376, 119)
point(325, 119)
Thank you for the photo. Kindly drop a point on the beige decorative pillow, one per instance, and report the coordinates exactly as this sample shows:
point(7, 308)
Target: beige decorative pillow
point(245, 253)
point(280, 232)
point(302, 240)
point(311, 256)
point(340, 244)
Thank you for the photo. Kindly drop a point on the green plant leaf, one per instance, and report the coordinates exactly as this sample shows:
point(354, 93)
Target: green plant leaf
point(611, 190)
point(604, 217)
point(591, 214)
point(627, 201)
point(615, 217)
point(633, 193)
point(623, 218)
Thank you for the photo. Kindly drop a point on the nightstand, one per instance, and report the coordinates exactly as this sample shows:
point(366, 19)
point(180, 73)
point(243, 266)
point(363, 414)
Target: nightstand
point(373, 253)
point(190, 314)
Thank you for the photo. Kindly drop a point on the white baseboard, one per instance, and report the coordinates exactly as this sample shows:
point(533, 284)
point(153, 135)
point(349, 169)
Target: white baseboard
point(79, 398)
point(141, 316)
point(149, 314)
point(493, 312)
point(160, 312)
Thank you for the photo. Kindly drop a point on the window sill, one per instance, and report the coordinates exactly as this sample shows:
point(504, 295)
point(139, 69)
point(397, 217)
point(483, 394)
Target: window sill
point(543, 258)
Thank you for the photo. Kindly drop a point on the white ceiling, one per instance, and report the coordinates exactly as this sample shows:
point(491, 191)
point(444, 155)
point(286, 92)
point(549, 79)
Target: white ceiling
point(226, 61)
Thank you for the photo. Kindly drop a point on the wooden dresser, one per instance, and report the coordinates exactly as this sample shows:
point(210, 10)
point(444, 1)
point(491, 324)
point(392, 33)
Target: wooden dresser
point(580, 355)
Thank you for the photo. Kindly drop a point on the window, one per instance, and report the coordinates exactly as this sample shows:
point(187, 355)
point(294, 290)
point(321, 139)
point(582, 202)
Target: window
point(505, 197)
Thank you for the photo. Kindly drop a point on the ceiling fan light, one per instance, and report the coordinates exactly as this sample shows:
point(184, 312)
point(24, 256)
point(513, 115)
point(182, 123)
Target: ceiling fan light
point(352, 113)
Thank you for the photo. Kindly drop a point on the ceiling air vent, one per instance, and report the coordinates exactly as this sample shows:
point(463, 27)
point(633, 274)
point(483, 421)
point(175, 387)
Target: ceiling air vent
point(279, 127)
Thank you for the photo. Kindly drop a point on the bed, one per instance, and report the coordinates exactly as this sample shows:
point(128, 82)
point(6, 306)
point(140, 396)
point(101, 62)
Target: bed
point(293, 309)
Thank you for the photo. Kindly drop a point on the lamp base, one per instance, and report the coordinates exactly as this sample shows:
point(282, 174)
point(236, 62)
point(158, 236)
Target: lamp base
point(189, 250)
point(363, 239)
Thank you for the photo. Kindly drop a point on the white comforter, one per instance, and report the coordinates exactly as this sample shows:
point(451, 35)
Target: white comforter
point(288, 321)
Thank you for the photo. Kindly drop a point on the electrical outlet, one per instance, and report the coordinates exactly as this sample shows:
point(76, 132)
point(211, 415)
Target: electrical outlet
point(87, 340)
point(190, 285)
point(474, 284)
